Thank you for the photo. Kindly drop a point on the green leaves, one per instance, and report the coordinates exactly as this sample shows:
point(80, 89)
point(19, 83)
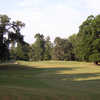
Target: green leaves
point(62, 49)
point(10, 32)
point(94, 57)
point(89, 45)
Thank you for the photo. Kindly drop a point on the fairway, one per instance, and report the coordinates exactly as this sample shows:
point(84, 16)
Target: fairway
point(49, 80)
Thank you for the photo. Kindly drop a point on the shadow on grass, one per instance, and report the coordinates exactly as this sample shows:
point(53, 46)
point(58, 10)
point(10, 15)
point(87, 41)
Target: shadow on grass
point(19, 67)
point(53, 72)
point(66, 84)
point(14, 67)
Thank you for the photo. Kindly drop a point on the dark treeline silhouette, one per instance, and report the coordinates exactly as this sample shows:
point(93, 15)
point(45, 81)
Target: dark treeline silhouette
point(83, 46)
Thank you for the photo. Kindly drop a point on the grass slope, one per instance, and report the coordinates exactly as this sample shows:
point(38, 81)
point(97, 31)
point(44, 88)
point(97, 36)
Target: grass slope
point(49, 80)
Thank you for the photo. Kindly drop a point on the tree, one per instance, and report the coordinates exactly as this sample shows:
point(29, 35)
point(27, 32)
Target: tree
point(74, 41)
point(22, 51)
point(4, 21)
point(13, 51)
point(9, 32)
point(39, 47)
point(31, 53)
point(89, 39)
point(48, 49)
point(62, 49)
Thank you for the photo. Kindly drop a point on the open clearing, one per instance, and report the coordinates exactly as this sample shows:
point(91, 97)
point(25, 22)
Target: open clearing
point(49, 80)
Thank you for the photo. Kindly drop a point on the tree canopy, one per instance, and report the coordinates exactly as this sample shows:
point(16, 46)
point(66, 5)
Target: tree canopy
point(9, 33)
point(83, 46)
point(89, 39)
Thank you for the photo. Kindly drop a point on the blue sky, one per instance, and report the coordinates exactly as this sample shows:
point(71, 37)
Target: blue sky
point(50, 17)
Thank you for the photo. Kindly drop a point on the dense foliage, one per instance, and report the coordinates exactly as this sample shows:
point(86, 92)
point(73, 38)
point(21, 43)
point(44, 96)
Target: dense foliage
point(62, 49)
point(9, 34)
point(83, 46)
point(88, 46)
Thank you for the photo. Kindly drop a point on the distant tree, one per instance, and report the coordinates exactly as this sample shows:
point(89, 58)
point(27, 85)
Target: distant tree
point(22, 51)
point(31, 53)
point(74, 41)
point(62, 49)
point(48, 49)
point(39, 47)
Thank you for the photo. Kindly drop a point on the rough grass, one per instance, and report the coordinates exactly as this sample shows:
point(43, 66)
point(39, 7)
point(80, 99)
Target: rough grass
point(49, 80)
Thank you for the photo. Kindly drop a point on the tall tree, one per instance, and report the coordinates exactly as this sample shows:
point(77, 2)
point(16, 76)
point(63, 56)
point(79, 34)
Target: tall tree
point(74, 41)
point(9, 32)
point(4, 22)
point(48, 49)
point(39, 47)
point(89, 39)
point(31, 53)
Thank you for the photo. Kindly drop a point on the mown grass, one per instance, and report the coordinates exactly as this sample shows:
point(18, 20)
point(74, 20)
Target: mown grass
point(49, 80)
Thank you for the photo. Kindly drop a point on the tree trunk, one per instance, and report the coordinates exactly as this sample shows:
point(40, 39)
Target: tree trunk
point(96, 62)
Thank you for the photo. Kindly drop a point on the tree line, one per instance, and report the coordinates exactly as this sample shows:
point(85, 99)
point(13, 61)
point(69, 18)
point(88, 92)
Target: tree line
point(83, 46)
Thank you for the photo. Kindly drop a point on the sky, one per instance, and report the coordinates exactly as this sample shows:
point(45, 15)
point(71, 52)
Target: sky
point(54, 18)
